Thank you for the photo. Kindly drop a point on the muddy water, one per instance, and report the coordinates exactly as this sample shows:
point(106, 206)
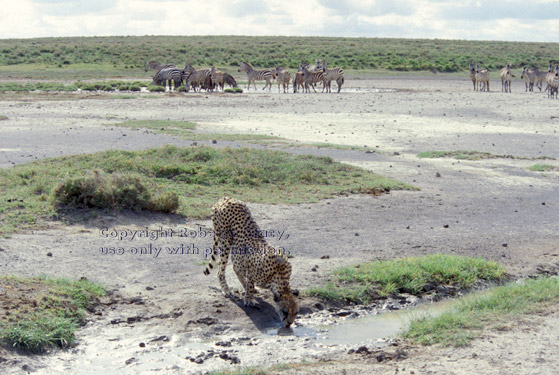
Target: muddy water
point(372, 329)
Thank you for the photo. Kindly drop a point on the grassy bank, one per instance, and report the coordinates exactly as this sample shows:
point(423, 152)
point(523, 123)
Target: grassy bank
point(495, 308)
point(362, 282)
point(127, 56)
point(42, 313)
point(186, 181)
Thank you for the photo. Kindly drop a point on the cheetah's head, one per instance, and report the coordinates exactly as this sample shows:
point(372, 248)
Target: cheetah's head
point(287, 308)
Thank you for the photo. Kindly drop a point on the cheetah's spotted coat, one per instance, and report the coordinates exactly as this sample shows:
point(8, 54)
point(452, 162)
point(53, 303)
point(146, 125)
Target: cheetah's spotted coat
point(255, 262)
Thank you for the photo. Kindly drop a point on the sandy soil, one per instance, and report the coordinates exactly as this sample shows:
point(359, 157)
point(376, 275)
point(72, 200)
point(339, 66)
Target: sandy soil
point(491, 208)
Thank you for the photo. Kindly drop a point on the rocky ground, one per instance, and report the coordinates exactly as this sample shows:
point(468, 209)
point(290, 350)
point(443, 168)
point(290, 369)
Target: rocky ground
point(167, 316)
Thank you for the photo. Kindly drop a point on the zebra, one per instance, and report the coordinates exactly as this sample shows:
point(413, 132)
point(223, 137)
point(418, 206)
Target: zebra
point(195, 77)
point(334, 74)
point(529, 77)
point(506, 78)
point(311, 78)
point(217, 78)
point(473, 74)
point(167, 75)
point(157, 67)
point(228, 79)
point(283, 76)
point(310, 68)
point(298, 81)
point(549, 77)
point(482, 77)
point(257, 75)
point(553, 81)
point(554, 84)
point(540, 77)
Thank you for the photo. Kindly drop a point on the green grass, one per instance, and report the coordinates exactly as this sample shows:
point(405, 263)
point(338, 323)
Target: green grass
point(473, 155)
point(543, 168)
point(234, 90)
point(409, 275)
point(186, 130)
point(42, 313)
point(498, 306)
point(198, 176)
point(109, 86)
point(84, 57)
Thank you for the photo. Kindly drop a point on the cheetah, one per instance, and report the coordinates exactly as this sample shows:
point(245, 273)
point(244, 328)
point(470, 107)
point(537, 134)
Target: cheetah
point(255, 262)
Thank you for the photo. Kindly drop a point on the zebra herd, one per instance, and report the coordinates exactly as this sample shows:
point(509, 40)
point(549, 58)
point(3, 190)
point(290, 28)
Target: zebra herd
point(531, 77)
point(208, 79)
point(307, 77)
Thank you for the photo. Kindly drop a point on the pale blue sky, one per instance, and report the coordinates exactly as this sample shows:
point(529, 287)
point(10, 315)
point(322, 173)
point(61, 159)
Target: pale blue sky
point(525, 20)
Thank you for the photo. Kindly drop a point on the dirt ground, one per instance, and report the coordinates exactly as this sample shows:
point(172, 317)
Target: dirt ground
point(172, 316)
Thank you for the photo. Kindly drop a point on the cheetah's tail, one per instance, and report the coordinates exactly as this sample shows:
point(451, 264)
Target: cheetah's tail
point(211, 265)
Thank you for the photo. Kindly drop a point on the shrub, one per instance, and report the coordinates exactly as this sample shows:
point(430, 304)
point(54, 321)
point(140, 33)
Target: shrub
point(113, 191)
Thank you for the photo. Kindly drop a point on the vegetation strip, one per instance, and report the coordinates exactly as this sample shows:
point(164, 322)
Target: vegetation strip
point(543, 168)
point(475, 155)
point(94, 56)
point(361, 283)
point(186, 181)
point(494, 308)
point(186, 130)
point(40, 313)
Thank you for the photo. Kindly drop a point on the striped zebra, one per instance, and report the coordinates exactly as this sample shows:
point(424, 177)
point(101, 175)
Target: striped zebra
point(157, 67)
point(540, 78)
point(529, 77)
point(334, 74)
point(283, 76)
point(473, 74)
point(165, 75)
point(217, 78)
point(311, 78)
point(553, 82)
point(549, 78)
point(228, 79)
point(257, 75)
point(482, 78)
point(506, 78)
point(298, 81)
point(195, 77)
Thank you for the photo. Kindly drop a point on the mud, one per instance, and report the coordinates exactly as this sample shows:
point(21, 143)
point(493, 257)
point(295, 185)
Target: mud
point(177, 321)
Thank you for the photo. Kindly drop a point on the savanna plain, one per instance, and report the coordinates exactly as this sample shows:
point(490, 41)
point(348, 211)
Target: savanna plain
point(457, 172)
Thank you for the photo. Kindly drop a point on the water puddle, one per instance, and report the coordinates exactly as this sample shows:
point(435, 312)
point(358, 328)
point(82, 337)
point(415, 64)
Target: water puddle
point(373, 328)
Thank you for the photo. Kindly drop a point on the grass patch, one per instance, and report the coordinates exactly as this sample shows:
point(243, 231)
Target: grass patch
point(41, 313)
point(464, 322)
point(543, 168)
point(2, 117)
point(186, 130)
point(198, 176)
point(234, 90)
point(410, 275)
point(474, 155)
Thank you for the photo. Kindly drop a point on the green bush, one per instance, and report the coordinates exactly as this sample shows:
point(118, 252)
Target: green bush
point(112, 191)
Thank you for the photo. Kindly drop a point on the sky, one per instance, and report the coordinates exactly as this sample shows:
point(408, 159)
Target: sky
point(509, 20)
